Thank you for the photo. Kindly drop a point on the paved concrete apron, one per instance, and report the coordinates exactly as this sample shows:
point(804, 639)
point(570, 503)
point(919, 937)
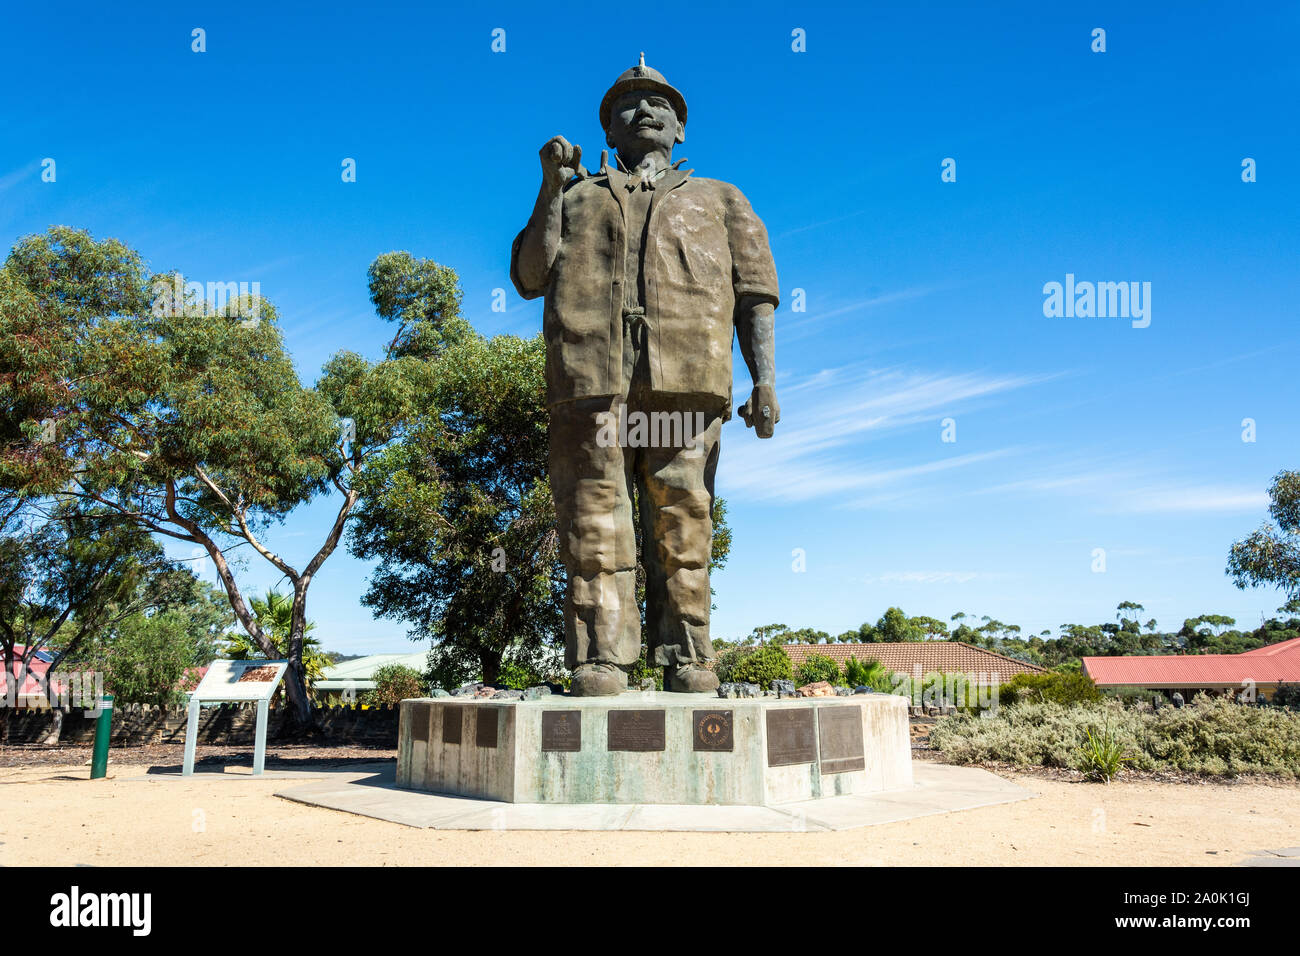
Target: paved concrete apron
point(938, 788)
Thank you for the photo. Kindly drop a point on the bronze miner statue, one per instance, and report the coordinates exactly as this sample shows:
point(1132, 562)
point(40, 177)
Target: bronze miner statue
point(647, 271)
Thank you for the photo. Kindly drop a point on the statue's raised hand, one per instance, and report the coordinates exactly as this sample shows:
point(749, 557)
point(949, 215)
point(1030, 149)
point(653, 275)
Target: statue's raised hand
point(560, 161)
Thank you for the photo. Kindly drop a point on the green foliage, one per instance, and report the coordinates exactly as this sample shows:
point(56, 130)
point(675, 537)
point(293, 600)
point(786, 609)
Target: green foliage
point(70, 574)
point(760, 665)
point(275, 617)
point(520, 674)
point(1102, 756)
point(1286, 695)
point(1055, 687)
point(1210, 736)
point(1130, 696)
point(868, 673)
point(818, 667)
point(895, 626)
point(458, 512)
point(148, 658)
point(395, 683)
point(177, 416)
point(643, 669)
point(935, 689)
point(1271, 554)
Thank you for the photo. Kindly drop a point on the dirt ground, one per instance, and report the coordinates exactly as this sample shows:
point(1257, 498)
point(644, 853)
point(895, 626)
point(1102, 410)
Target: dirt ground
point(54, 814)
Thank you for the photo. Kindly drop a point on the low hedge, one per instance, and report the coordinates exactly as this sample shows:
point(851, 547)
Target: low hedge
point(1210, 736)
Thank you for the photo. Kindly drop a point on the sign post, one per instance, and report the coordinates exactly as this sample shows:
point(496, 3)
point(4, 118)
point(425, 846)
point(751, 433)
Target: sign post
point(230, 682)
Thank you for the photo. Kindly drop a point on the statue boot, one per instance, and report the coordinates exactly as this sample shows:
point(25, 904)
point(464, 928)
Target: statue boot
point(599, 680)
point(690, 679)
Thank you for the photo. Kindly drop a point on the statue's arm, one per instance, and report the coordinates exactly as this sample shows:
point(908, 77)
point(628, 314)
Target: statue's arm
point(536, 247)
point(757, 295)
point(755, 330)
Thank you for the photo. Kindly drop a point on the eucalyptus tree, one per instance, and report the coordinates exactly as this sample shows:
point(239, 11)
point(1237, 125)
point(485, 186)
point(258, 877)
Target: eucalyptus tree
point(180, 418)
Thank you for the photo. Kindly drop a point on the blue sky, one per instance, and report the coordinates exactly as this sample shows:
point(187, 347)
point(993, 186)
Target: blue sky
point(924, 298)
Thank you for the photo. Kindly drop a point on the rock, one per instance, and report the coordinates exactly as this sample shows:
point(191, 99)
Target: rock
point(863, 689)
point(508, 695)
point(748, 690)
point(537, 693)
point(843, 692)
point(466, 690)
point(783, 688)
point(819, 688)
point(484, 691)
point(727, 690)
point(438, 692)
point(648, 685)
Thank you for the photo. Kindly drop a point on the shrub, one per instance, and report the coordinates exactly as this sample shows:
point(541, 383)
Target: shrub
point(1131, 696)
point(937, 689)
point(395, 683)
point(1286, 695)
point(755, 665)
point(1211, 736)
point(1102, 756)
point(869, 673)
point(518, 675)
point(1055, 687)
point(818, 667)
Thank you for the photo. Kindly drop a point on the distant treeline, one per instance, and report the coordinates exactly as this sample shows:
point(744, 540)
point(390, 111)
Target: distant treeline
point(1127, 634)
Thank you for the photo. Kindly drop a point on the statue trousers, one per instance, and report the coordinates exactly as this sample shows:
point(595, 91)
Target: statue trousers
point(654, 453)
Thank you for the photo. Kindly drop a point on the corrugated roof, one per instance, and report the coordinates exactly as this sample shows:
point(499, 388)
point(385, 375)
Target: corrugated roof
point(1281, 647)
point(946, 657)
point(360, 673)
point(1281, 665)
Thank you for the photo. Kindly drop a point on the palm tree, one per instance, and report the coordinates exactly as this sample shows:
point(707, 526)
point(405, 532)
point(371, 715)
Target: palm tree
point(275, 616)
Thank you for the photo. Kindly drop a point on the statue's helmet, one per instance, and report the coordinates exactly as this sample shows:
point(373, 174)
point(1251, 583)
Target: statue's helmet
point(642, 77)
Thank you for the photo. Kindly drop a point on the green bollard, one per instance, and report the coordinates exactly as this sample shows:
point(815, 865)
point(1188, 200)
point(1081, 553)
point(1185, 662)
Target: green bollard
point(103, 730)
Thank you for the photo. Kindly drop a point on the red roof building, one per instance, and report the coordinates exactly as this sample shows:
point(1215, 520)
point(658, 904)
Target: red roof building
point(32, 691)
point(1261, 669)
point(924, 657)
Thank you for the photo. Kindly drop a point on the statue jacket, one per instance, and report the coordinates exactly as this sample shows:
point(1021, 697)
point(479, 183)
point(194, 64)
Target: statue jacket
point(704, 249)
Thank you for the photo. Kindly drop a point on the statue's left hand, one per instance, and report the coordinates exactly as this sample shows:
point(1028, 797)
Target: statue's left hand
point(761, 411)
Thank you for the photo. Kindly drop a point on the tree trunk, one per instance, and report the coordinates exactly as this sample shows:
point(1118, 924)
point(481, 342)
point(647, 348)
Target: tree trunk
point(295, 678)
point(491, 664)
point(51, 738)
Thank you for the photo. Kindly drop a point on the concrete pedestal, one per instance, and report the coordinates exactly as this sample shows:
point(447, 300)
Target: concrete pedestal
point(655, 748)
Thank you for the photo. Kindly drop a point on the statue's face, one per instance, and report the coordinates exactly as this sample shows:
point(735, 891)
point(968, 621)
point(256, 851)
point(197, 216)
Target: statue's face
point(641, 121)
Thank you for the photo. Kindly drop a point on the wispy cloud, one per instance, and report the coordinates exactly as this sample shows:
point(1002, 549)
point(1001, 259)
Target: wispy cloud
point(1173, 499)
point(10, 180)
point(1132, 490)
point(827, 414)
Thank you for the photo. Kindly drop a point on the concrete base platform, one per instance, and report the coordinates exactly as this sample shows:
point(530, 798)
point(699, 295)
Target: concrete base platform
point(937, 788)
point(655, 748)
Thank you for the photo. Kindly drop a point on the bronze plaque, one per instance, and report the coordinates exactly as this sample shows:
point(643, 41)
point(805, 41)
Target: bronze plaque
point(714, 731)
point(839, 730)
point(485, 734)
point(790, 736)
point(452, 716)
point(641, 731)
point(420, 717)
point(562, 730)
